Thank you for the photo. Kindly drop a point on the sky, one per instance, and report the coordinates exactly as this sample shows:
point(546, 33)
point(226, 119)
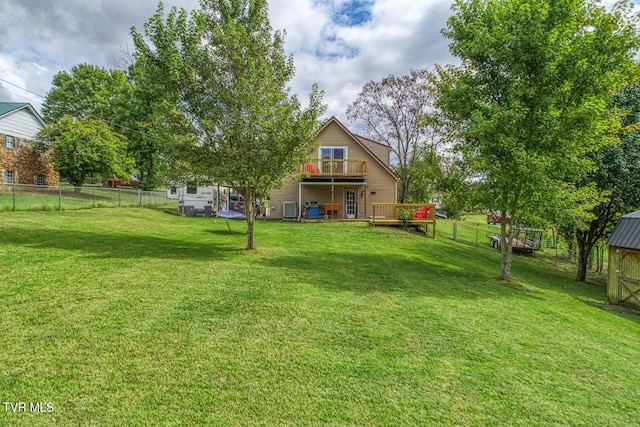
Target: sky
point(338, 44)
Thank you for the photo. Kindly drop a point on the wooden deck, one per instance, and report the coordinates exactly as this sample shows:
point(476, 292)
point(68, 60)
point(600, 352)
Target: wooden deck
point(319, 168)
point(405, 214)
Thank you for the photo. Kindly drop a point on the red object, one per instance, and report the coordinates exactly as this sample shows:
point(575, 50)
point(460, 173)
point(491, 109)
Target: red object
point(309, 167)
point(495, 217)
point(422, 213)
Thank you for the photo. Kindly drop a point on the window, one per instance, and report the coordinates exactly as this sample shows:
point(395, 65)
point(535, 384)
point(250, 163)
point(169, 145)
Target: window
point(338, 154)
point(435, 199)
point(192, 189)
point(9, 177)
point(40, 179)
point(9, 141)
point(173, 191)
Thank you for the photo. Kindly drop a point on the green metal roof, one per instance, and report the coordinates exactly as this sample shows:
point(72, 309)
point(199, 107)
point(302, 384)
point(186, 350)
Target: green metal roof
point(7, 107)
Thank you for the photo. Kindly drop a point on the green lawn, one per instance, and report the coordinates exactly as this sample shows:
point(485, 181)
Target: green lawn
point(137, 317)
point(34, 198)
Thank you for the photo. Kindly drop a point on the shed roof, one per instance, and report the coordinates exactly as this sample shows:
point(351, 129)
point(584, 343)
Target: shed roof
point(627, 232)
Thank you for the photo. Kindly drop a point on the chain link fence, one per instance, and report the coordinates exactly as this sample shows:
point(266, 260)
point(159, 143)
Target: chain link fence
point(22, 197)
point(551, 244)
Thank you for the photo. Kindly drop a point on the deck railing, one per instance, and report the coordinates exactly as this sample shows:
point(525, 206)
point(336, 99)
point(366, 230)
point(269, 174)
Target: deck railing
point(334, 167)
point(405, 214)
point(384, 212)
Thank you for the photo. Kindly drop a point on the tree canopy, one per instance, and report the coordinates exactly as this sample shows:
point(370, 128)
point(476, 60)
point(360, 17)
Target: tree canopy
point(83, 148)
point(532, 94)
point(616, 177)
point(232, 75)
point(87, 91)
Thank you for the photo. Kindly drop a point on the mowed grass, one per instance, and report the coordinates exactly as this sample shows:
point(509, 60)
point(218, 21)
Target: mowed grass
point(135, 317)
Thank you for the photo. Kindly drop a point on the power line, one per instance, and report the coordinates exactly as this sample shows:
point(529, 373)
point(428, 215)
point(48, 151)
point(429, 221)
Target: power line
point(21, 88)
point(89, 116)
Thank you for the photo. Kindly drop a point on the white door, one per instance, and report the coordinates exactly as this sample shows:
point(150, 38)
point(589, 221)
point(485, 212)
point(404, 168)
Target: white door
point(350, 202)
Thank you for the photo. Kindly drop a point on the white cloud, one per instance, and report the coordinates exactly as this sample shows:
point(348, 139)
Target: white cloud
point(39, 38)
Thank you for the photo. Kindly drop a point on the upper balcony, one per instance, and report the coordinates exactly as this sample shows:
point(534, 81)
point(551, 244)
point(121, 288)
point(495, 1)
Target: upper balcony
point(334, 168)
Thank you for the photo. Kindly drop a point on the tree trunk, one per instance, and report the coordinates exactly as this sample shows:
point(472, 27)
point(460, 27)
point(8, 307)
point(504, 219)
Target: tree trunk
point(250, 211)
point(584, 250)
point(506, 253)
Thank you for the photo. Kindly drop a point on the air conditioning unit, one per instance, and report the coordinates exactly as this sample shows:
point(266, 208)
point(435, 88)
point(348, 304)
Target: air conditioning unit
point(289, 210)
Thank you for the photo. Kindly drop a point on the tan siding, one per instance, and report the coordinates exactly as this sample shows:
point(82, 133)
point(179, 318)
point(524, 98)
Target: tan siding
point(289, 192)
point(379, 150)
point(377, 180)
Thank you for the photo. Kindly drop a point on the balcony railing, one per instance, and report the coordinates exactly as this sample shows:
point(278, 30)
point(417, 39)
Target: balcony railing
point(334, 167)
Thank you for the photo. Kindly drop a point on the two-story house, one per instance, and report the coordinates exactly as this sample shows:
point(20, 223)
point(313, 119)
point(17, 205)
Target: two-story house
point(19, 124)
point(347, 174)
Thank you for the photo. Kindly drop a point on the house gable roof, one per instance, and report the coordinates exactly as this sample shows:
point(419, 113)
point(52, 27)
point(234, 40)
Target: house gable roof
point(356, 139)
point(7, 108)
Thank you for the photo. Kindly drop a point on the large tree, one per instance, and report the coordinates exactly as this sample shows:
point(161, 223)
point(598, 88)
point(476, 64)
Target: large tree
point(393, 110)
point(153, 124)
point(87, 91)
point(233, 74)
point(86, 99)
point(531, 96)
point(83, 148)
point(617, 177)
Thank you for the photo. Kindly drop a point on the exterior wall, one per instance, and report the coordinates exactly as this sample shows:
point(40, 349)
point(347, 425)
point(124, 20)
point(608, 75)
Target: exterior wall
point(379, 185)
point(613, 283)
point(21, 124)
point(624, 263)
point(25, 162)
point(381, 151)
point(288, 193)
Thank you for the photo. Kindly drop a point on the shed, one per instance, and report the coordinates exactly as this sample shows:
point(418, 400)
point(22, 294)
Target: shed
point(624, 261)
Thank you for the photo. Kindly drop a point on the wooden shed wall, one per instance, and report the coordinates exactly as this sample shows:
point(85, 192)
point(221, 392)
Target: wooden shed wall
point(624, 276)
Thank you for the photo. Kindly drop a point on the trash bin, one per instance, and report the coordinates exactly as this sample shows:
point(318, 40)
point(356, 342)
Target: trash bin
point(314, 210)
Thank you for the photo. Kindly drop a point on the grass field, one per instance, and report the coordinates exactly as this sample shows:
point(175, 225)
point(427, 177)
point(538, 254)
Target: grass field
point(135, 317)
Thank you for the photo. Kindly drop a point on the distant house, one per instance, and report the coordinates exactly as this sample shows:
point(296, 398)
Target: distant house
point(19, 124)
point(345, 177)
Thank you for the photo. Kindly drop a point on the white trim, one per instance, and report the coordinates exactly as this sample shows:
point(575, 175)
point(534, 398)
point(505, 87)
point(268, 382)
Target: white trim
point(344, 147)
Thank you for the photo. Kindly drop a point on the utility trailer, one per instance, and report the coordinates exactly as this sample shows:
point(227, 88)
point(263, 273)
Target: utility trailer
point(524, 241)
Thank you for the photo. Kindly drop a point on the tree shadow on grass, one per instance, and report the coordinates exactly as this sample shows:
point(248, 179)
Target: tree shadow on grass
point(447, 272)
point(227, 232)
point(624, 311)
point(118, 246)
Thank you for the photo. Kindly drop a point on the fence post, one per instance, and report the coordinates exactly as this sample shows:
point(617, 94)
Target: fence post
point(139, 197)
point(59, 198)
point(119, 198)
point(14, 195)
point(94, 197)
point(455, 230)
